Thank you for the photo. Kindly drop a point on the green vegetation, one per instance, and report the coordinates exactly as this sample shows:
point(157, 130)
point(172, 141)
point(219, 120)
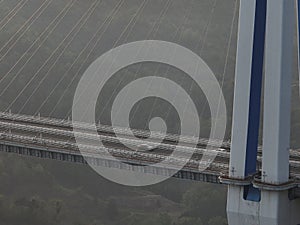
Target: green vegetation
point(34, 192)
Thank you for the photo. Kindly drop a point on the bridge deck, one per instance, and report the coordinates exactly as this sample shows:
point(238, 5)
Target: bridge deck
point(54, 139)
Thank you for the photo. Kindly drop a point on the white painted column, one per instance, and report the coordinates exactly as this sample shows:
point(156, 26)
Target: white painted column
point(277, 98)
point(242, 88)
point(275, 206)
point(240, 211)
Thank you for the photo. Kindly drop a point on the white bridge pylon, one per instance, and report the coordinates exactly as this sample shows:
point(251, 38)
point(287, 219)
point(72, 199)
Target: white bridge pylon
point(265, 41)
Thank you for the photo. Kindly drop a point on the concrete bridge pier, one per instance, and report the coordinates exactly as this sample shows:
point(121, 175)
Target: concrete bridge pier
point(276, 208)
point(262, 197)
point(243, 200)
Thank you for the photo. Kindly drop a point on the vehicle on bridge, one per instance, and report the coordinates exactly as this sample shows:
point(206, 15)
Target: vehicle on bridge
point(145, 147)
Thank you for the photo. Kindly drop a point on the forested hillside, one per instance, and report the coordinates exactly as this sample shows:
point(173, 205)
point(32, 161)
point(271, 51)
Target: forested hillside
point(34, 192)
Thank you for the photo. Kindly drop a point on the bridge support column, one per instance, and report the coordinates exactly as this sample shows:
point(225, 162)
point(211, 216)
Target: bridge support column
point(276, 207)
point(264, 199)
point(243, 198)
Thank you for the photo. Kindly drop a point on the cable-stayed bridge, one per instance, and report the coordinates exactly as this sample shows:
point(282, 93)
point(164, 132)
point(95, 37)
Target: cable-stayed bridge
point(48, 138)
point(263, 181)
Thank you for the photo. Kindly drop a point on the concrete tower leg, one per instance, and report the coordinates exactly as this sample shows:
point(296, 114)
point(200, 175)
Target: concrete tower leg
point(276, 208)
point(242, 204)
point(240, 211)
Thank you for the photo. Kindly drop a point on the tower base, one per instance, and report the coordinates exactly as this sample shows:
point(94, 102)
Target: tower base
point(275, 208)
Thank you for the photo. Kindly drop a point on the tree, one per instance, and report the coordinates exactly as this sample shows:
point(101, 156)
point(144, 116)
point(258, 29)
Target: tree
point(112, 211)
point(190, 221)
point(217, 221)
point(164, 219)
point(204, 201)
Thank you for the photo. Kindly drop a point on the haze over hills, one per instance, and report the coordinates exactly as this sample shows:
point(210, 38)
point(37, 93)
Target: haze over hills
point(41, 63)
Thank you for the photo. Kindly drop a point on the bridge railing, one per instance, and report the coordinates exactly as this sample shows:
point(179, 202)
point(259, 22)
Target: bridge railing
point(110, 129)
